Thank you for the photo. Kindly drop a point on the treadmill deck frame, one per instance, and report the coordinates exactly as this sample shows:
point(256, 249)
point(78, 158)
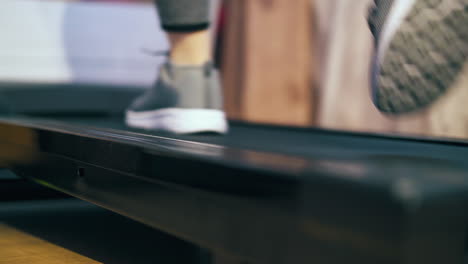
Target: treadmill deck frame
point(258, 205)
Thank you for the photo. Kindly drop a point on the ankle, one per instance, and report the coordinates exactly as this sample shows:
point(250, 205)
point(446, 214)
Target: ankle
point(188, 62)
point(190, 48)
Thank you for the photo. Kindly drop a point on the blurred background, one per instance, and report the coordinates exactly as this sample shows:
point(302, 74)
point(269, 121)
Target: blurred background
point(300, 63)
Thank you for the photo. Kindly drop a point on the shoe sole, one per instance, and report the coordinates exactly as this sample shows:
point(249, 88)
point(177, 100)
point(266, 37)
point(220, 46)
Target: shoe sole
point(424, 47)
point(179, 120)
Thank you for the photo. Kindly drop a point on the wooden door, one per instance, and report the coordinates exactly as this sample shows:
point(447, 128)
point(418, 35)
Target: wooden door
point(267, 61)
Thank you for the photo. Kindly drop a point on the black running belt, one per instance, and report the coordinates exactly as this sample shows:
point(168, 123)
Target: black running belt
point(262, 194)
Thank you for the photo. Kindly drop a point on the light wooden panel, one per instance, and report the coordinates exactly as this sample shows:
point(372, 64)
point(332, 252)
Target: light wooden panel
point(267, 61)
point(17, 247)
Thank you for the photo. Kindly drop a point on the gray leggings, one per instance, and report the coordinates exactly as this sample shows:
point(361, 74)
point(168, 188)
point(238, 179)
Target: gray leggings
point(184, 15)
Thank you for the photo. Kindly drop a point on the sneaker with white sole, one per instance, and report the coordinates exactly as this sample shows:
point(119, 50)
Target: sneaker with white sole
point(421, 47)
point(184, 100)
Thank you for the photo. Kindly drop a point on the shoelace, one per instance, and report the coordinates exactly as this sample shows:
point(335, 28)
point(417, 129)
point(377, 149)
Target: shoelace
point(208, 66)
point(165, 53)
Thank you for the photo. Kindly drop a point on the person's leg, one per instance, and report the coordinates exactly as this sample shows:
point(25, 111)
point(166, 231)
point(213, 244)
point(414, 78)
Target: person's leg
point(186, 23)
point(421, 47)
point(187, 96)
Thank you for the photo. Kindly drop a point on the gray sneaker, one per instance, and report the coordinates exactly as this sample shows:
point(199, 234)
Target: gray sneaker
point(421, 47)
point(185, 99)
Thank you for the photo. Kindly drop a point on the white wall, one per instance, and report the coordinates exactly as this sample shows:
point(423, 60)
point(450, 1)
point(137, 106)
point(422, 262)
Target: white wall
point(52, 41)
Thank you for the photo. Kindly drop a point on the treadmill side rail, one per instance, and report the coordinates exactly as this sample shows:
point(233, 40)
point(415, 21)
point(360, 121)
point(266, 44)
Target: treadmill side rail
point(259, 206)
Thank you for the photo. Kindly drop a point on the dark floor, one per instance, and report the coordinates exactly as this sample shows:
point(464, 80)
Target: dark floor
point(95, 232)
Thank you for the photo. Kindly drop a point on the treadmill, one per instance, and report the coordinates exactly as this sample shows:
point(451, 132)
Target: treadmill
point(260, 194)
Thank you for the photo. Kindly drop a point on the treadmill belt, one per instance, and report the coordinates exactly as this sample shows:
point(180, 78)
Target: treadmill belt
point(306, 142)
point(331, 150)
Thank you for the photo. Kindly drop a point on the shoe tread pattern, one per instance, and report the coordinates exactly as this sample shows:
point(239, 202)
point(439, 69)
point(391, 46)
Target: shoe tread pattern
point(424, 57)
